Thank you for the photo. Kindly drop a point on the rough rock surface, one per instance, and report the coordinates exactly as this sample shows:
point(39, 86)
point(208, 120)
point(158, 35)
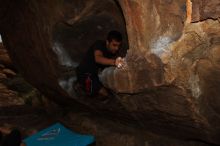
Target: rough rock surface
point(172, 64)
point(22, 112)
point(8, 97)
point(4, 58)
point(205, 9)
point(14, 111)
point(139, 74)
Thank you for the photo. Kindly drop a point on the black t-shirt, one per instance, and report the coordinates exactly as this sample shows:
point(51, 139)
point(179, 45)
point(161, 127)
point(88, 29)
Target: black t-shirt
point(88, 64)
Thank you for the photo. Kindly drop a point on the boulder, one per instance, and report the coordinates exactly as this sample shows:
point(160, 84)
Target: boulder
point(171, 82)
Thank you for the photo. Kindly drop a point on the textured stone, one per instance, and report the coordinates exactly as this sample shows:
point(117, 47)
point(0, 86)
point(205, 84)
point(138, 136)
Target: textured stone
point(152, 23)
point(4, 58)
point(205, 9)
point(9, 97)
point(9, 72)
point(2, 76)
point(138, 74)
point(172, 73)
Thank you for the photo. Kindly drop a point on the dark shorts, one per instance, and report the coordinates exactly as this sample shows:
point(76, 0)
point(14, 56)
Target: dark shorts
point(89, 82)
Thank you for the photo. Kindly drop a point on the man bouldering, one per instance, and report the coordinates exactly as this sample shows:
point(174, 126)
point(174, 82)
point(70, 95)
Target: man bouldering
point(102, 54)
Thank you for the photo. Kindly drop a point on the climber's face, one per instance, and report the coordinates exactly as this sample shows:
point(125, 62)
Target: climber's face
point(113, 46)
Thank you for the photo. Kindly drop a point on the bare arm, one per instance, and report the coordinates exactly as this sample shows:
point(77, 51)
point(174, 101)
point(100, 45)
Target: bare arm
point(99, 58)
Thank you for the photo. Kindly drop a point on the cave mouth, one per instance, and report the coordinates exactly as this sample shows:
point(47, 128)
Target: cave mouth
point(90, 21)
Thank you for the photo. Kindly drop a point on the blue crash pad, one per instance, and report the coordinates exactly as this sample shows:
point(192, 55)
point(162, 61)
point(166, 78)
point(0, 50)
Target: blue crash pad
point(58, 135)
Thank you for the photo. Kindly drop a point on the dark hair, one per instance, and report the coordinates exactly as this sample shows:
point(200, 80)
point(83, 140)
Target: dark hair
point(13, 139)
point(114, 35)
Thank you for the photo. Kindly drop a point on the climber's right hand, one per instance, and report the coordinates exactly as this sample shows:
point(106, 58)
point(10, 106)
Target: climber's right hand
point(119, 62)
